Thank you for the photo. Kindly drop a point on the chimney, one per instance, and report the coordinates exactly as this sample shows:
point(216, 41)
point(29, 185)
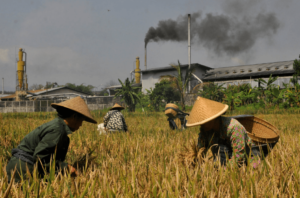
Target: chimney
point(189, 47)
point(145, 57)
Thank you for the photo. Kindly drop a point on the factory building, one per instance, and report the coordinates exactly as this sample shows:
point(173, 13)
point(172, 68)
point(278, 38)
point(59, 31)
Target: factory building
point(233, 75)
point(248, 73)
point(152, 76)
point(57, 93)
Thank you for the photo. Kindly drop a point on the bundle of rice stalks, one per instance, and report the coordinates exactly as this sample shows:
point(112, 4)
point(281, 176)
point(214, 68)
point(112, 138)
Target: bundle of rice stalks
point(83, 162)
point(192, 155)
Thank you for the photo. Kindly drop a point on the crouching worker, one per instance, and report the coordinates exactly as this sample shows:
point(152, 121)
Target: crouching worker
point(114, 120)
point(227, 134)
point(49, 140)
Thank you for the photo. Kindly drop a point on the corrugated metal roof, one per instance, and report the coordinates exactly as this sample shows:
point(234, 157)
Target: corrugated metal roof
point(247, 71)
point(119, 86)
point(38, 92)
point(171, 68)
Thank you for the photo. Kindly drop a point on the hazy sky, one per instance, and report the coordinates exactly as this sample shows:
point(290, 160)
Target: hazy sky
point(94, 42)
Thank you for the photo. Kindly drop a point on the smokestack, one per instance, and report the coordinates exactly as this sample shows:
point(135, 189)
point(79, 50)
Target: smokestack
point(189, 46)
point(145, 57)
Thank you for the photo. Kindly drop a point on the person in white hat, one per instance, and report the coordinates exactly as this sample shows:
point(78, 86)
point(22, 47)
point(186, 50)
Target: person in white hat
point(114, 119)
point(48, 140)
point(226, 132)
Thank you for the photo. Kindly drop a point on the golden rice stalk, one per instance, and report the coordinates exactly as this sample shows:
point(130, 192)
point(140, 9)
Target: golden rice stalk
point(6, 194)
point(86, 160)
point(192, 155)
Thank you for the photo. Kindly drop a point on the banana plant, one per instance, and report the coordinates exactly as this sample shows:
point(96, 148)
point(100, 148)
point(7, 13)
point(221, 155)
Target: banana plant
point(233, 99)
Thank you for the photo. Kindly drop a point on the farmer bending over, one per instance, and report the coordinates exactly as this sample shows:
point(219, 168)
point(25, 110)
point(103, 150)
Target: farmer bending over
point(229, 135)
point(114, 120)
point(40, 145)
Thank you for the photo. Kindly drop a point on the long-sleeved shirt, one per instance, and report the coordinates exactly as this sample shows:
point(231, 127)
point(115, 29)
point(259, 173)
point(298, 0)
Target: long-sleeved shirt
point(114, 119)
point(232, 134)
point(42, 142)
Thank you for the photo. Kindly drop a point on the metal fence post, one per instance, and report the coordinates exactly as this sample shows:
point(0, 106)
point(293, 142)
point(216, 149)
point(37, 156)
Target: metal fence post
point(40, 105)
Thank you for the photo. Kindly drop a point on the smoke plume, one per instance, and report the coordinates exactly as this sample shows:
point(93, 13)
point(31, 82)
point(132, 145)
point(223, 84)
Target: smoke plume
point(220, 33)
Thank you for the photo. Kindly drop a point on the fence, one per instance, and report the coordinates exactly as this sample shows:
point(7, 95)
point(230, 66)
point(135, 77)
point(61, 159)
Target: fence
point(95, 103)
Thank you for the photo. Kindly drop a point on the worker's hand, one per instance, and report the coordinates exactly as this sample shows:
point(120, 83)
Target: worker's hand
point(73, 171)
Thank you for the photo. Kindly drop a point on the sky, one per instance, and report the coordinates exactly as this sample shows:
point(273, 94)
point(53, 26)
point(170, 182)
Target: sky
point(95, 42)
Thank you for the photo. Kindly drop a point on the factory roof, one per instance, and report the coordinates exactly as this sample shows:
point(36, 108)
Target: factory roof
point(172, 68)
point(14, 95)
point(119, 86)
point(31, 93)
point(247, 71)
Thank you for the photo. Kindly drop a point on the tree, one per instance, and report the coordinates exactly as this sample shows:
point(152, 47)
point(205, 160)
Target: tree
point(36, 87)
point(179, 82)
point(82, 88)
point(128, 93)
point(212, 91)
point(162, 91)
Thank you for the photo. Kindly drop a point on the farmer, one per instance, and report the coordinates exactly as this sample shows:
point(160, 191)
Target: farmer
point(114, 120)
point(227, 134)
point(49, 140)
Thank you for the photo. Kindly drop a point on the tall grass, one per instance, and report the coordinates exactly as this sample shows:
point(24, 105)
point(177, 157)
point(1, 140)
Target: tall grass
point(144, 162)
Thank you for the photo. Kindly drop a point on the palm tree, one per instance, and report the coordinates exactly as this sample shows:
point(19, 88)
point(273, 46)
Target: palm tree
point(179, 82)
point(128, 93)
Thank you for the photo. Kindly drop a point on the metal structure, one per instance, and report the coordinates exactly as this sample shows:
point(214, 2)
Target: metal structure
point(137, 71)
point(22, 85)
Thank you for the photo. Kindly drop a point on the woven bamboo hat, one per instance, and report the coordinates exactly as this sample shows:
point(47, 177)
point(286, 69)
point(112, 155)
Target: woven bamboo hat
point(171, 112)
point(78, 105)
point(205, 110)
point(259, 130)
point(116, 106)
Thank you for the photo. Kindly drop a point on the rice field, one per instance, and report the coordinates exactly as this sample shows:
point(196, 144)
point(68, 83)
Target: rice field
point(144, 162)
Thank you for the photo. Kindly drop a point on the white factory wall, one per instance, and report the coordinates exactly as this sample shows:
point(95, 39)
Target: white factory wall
point(150, 78)
point(279, 82)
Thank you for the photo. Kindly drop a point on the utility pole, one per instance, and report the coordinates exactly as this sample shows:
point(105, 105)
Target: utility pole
point(2, 86)
point(189, 48)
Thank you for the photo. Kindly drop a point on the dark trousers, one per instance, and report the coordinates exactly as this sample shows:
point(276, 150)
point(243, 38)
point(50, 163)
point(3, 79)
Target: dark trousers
point(223, 152)
point(23, 169)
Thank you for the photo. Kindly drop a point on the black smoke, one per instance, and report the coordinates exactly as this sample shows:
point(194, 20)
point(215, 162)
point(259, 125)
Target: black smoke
point(220, 33)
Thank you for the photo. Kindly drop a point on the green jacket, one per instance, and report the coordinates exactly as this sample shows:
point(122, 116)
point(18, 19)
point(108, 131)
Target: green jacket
point(42, 143)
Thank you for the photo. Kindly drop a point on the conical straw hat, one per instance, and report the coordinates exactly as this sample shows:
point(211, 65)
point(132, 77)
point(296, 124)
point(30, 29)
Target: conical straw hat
point(78, 105)
point(116, 106)
point(205, 110)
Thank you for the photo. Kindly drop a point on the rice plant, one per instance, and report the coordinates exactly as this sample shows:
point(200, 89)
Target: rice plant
point(145, 162)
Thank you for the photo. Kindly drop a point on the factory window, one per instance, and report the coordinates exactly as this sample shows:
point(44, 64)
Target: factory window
point(286, 67)
point(259, 69)
point(227, 72)
point(234, 71)
point(242, 71)
point(276, 68)
point(267, 69)
point(249, 70)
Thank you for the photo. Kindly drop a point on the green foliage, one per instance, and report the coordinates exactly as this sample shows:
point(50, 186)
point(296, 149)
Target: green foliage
point(128, 93)
point(163, 91)
point(82, 88)
point(181, 81)
point(213, 91)
point(241, 95)
point(296, 67)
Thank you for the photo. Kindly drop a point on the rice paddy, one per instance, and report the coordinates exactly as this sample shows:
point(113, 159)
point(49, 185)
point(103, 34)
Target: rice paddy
point(145, 162)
